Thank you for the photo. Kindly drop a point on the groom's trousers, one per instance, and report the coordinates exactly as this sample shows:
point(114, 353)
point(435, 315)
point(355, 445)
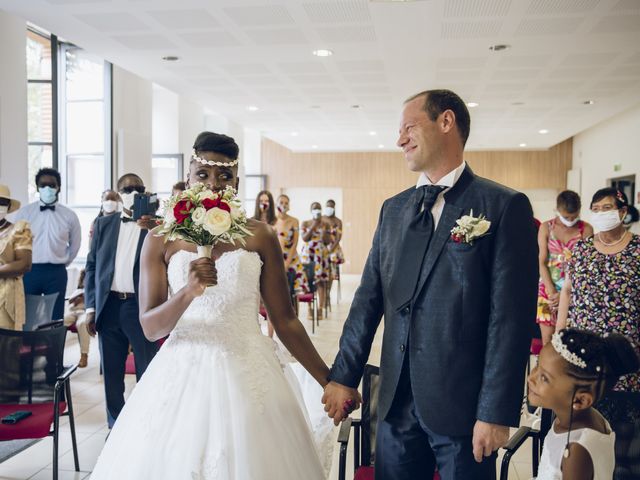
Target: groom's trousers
point(406, 449)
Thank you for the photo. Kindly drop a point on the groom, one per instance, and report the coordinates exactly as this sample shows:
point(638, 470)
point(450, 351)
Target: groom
point(458, 307)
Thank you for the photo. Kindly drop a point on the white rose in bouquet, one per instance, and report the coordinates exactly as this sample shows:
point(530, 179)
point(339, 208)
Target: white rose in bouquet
point(217, 221)
point(198, 215)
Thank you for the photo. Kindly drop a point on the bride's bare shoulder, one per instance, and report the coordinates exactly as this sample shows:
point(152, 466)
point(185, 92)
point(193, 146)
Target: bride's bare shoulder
point(261, 234)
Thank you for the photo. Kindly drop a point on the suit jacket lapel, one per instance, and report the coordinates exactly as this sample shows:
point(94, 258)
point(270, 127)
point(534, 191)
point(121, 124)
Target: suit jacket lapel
point(450, 213)
point(111, 233)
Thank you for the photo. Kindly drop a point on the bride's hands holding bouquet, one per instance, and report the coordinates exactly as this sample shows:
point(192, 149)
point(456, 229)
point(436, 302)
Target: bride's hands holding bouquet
point(202, 274)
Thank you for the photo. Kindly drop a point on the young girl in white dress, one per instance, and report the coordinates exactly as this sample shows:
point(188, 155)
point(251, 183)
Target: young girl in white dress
point(575, 369)
point(215, 403)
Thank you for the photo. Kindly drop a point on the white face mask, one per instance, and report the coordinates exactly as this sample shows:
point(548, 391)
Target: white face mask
point(283, 209)
point(127, 200)
point(568, 223)
point(316, 214)
point(109, 206)
point(329, 211)
point(4, 210)
point(605, 221)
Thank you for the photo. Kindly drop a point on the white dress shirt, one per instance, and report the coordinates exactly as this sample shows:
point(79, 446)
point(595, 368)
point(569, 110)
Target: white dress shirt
point(56, 233)
point(449, 180)
point(125, 257)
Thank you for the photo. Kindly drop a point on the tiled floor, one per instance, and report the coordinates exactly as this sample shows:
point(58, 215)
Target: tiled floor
point(35, 463)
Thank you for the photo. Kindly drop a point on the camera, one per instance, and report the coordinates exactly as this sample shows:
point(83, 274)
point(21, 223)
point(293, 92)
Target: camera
point(145, 204)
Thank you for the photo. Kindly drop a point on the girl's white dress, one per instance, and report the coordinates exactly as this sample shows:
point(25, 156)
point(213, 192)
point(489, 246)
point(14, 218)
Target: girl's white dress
point(216, 402)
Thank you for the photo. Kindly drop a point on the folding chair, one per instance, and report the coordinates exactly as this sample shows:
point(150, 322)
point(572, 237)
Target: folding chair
point(38, 310)
point(34, 379)
point(311, 297)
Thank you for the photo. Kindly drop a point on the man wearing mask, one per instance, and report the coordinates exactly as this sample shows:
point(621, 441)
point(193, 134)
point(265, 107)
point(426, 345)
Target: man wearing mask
point(111, 288)
point(336, 257)
point(56, 240)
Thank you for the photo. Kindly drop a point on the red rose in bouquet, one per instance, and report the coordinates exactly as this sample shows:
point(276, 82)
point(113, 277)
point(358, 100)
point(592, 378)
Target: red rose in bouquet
point(182, 210)
point(209, 203)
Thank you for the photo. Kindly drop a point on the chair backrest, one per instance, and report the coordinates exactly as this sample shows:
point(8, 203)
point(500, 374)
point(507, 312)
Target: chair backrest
point(310, 272)
point(291, 280)
point(369, 419)
point(31, 363)
point(39, 310)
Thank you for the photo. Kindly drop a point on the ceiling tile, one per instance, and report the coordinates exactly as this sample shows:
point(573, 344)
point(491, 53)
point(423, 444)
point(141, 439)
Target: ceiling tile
point(280, 36)
point(212, 39)
point(144, 42)
point(184, 19)
point(113, 22)
point(259, 15)
point(489, 28)
point(461, 62)
point(245, 68)
point(302, 67)
point(347, 34)
point(618, 24)
point(554, 7)
point(549, 26)
point(529, 61)
point(352, 11)
point(465, 8)
point(311, 79)
point(627, 5)
point(588, 59)
point(350, 66)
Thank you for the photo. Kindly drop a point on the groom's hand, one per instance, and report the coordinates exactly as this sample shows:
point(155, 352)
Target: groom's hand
point(339, 401)
point(487, 438)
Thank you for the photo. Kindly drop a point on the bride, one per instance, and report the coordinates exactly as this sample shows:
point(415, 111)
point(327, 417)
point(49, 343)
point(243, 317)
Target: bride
point(215, 403)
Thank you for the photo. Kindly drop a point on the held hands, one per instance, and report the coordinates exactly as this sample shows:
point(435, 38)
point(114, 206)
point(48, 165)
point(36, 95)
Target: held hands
point(202, 274)
point(554, 301)
point(339, 401)
point(487, 438)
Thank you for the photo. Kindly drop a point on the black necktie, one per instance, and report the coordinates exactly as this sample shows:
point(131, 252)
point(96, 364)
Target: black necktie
point(414, 246)
point(126, 219)
point(47, 207)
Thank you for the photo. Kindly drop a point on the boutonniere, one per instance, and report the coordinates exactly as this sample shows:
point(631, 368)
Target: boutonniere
point(470, 228)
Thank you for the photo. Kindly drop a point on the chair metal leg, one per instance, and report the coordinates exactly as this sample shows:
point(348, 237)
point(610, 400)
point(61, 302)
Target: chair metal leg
point(535, 460)
point(72, 426)
point(56, 430)
point(313, 317)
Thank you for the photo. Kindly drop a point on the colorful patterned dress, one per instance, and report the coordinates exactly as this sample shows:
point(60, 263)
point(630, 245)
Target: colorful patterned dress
point(316, 251)
point(559, 253)
point(295, 267)
point(337, 256)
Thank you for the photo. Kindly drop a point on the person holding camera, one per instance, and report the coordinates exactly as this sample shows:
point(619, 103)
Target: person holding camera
point(316, 237)
point(111, 289)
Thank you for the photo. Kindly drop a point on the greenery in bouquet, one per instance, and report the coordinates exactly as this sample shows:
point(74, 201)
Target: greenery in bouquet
point(204, 217)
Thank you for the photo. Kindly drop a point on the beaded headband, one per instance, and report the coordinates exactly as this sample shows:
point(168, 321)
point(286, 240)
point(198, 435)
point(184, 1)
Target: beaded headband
point(195, 156)
point(561, 348)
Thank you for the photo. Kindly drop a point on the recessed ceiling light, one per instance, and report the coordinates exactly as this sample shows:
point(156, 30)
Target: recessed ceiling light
point(314, 146)
point(499, 47)
point(472, 104)
point(381, 146)
point(315, 107)
point(517, 104)
point(252, 108)
point(170, 58)
point(523, 144)
point(372, 133)
point(323, 52)
point(355, 106)
point(294, 134)
point(588, 102)
point(544, 131)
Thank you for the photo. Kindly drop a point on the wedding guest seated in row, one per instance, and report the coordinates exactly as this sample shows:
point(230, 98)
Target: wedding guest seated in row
point(556, 238)
point(601, 294)
point(575, 370)
point(56, 240)
point(15, 261)
point(316, 236)
point(336, 256)
point(74, 314)
point(111, 288)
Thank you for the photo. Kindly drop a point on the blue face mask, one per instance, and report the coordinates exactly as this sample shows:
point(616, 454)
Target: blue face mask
point(48, 195)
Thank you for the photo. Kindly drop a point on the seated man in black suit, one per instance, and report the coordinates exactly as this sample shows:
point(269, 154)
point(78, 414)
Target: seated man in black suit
point(111, 293)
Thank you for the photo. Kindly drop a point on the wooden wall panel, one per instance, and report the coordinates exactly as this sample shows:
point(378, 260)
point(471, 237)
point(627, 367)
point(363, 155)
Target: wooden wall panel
point(368, 178)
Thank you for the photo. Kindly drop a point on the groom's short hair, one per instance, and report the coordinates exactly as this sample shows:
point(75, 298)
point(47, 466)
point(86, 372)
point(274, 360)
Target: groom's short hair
point(437, 101)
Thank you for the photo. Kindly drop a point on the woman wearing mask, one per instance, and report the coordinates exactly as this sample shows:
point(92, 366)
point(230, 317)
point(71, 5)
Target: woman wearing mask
point(110, 204)
point(556, 238)
point(265, 210)
point(601, 293)
point(336, 257)
point(316, 237)
point(15, 260)
point(287, 228)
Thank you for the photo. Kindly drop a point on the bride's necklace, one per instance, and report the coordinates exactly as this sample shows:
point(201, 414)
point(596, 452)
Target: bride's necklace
point(624, 234)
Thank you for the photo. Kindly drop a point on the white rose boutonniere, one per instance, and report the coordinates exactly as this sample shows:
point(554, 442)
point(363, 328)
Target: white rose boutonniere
point(470, 228)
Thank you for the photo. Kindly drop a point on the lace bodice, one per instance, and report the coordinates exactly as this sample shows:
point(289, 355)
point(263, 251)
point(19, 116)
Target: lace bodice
point(230, 307)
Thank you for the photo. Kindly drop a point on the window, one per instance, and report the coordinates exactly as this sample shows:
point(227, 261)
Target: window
point(166, 171)
point(253, 184)
point(42, 104)
point(85, 147)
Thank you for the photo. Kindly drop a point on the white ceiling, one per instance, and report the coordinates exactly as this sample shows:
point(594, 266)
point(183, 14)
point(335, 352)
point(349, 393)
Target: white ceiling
point(236, 53)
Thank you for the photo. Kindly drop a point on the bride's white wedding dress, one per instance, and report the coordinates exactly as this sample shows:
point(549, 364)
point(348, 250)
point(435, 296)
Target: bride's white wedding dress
point(214, 404)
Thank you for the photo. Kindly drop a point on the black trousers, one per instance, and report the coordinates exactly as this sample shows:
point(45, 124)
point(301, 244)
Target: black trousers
point(406, 449)
point(46, 278)
point(120, 326)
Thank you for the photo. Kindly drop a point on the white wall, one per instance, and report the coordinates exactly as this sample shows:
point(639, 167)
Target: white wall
point(132, 124)
point(164, 122)
point(613, 142)
point(13, 105)
point(192, 122)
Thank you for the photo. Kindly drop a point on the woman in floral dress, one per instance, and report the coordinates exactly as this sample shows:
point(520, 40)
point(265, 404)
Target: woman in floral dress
point(601, 294)
point(288, 228)
point(556, 239)
point(315, 234)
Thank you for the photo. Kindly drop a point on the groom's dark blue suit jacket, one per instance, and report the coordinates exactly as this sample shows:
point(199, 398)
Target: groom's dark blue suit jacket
point(468, 327)
point(101, 262)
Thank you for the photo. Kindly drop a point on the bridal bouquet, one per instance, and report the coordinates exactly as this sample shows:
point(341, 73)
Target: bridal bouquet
point(201, 216)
